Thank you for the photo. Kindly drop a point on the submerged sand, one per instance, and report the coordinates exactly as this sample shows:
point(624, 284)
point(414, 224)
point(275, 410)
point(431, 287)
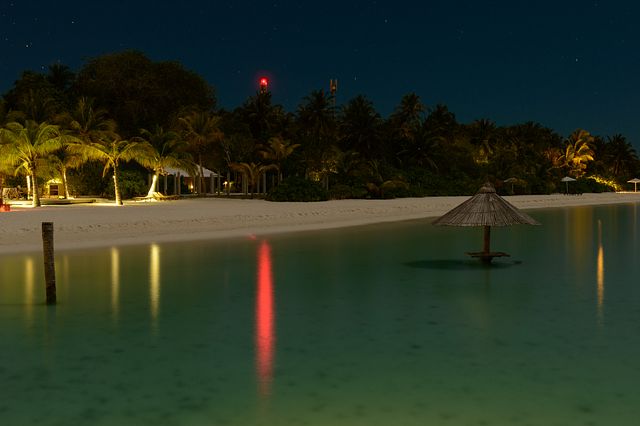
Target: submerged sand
point(103, 225)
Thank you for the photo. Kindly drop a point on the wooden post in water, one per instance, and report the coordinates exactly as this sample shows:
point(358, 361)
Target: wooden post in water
point(49, 265)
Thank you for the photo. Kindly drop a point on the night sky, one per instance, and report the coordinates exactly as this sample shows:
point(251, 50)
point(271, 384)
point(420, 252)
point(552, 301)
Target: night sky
point(565, 64)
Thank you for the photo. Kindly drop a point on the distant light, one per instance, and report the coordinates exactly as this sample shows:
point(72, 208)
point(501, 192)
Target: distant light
point(264, 82)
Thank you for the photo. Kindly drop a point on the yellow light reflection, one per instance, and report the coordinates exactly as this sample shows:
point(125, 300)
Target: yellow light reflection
point(600, 273)
point(115, 281)
point(29, 272)
point(154, 282)
point(265, 320)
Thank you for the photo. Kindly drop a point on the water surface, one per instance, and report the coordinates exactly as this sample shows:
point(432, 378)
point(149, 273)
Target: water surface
point(374, 325)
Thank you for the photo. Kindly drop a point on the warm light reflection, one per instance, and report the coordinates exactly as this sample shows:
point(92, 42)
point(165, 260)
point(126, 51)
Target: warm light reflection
point(63, 281)
point(115, 280)
point(154, 281)
point(29, 271)
point(265, 320)
point(600, 272)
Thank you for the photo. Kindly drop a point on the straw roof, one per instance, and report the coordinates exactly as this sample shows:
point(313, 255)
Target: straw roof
point(486, 208)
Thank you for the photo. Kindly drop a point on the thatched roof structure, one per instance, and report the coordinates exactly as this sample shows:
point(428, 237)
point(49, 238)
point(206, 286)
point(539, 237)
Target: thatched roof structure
point(486, 208)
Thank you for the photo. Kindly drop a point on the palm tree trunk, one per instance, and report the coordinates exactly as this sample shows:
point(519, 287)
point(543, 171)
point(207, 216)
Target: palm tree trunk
point(64, 183)
point(154, 182)
point(34, 187)
point(29, 193)
point(116, 188)
point(199, 186)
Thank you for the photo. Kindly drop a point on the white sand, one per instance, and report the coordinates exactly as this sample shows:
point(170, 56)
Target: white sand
point(104, 225)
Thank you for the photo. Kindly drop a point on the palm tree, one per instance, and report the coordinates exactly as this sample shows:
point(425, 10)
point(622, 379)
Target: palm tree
point(60, 76)
point(25, 146)
point(64, 159)
point(87, 122)
point(620, 156)
point(8, 116)
point(201, 130)
point(360, 127)
point(166, 149)
point(578, 152)
point(407, 116)
point(252, 172)
point(483, 137)
point(316, 131)
point(404, 125)
point(277, 151)
point(112, 150)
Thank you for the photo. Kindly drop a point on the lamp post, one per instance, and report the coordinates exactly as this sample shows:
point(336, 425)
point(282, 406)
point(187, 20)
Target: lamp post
point(264, 84)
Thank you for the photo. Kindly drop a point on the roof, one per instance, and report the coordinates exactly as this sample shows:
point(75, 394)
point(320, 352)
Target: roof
point(173, 171)
point(486, 208)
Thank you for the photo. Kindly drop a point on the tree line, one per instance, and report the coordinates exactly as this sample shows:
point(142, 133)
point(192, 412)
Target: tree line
point(122, 116)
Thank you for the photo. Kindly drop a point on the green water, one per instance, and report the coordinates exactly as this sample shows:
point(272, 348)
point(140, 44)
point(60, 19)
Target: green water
point(378, 325)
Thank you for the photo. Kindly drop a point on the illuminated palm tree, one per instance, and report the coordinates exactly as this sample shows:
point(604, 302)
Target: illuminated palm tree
point(25, 147)
point(484, 138)
point(578, 152)
point(112, 150)
point(62, 160)
point(166, 149)
point(6, 116)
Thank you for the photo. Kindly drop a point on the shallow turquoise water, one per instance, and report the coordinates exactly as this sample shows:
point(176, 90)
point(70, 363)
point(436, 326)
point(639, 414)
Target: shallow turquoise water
point(376, 325)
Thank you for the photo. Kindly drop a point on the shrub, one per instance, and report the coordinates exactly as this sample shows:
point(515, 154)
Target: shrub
point(342, 192)
point(132, 183)
point(394, 189)
point(298, 189)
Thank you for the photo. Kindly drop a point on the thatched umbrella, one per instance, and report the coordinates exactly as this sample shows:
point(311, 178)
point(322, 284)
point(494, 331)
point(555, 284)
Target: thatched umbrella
point(512, 181)
point(635, 182)
point(566, 181)
point(485, 209)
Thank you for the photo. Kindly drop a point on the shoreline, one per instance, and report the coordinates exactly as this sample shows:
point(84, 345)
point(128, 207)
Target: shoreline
point(84, 226)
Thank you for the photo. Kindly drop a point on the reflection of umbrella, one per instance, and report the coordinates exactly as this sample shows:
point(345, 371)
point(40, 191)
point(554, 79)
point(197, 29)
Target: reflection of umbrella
point(566, 180)
point(635, 182)
point(485, 209)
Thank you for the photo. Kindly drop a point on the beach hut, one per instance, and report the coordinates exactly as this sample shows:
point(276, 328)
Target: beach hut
point(635, 182)
point(485, 209)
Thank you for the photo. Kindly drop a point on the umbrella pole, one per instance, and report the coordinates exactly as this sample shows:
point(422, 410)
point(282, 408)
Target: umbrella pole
point(487, 240)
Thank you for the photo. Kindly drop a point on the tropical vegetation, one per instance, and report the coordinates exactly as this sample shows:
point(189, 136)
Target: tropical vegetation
point(135, 118)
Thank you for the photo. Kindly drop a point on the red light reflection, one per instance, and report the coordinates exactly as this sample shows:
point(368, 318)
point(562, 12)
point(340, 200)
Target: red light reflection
point(265, 320)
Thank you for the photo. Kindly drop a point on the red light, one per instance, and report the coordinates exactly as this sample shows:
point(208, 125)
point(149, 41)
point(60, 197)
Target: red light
point(265, 320)
point(264, 82)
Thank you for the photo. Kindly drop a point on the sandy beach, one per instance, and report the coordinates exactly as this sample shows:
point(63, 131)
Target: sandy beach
point(103, 225)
